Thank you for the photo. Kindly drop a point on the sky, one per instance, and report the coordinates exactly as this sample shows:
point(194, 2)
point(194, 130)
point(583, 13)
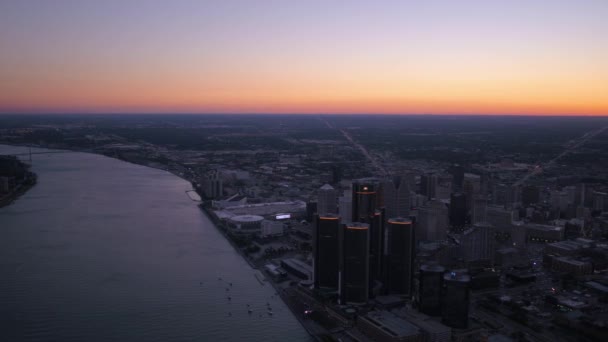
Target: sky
point(252, 56)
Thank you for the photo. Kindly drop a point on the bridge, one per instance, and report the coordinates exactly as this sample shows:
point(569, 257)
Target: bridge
point(32, 153)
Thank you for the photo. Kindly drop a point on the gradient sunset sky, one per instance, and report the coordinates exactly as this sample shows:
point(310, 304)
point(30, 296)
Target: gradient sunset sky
point(248, 56)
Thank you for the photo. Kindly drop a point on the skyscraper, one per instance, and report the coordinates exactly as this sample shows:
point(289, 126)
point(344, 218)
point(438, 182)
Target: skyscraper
point(530, 194)
point(213, 185)
point(478, 211)
point(345, 206)
point(365, 197)
point(428, 185)
point(457, 172)
point(326, 253)
point(396, 196)
point(354, 263)
point(455, 299)
point(471, 187)
point(458, 210)
point(478, 243)
point(429, 292)
point(432, 222)
point(400, 256)
point(376, 249)
point(327, 201)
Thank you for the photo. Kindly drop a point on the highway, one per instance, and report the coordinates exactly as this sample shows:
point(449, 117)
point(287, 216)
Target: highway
point(360, 147)
point(571, 147)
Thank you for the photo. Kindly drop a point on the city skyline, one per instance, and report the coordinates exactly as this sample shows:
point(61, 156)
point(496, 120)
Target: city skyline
point(437, 57)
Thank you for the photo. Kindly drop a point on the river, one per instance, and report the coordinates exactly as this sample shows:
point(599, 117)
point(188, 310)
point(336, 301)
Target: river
point(105, 250)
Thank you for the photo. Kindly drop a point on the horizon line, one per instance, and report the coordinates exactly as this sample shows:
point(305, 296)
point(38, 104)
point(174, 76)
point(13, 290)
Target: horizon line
point(304, 114)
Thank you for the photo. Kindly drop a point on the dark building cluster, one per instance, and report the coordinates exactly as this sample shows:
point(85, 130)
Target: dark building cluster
point(373, 256)
point(15, 178)
point(447, 258)
point(463, 233)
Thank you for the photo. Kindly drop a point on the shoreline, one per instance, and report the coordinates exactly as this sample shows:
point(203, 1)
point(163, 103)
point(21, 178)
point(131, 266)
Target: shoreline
point(13, 196)
point(213, 221)
point(22, 181)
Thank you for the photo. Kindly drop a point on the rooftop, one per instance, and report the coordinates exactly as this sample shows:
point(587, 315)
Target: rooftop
point(246, 218)
point(327, 187)
point(392, 324)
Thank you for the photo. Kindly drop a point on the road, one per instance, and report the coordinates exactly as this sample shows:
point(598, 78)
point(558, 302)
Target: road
point(571, 147)
point(360, 147)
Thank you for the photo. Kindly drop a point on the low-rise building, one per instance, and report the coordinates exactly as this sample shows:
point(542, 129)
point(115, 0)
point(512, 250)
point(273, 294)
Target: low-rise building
point(271, 228)
point(571, 266)
point(384, 326)
point(298, 268)
point(544, 233)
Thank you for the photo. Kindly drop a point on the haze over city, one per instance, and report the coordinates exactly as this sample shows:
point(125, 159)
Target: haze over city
point(540, 57)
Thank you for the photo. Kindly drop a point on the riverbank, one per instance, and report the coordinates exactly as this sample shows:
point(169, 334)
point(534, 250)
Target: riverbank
point(126, 240)
point(15, 179)
point(11, 197)
point(288, 295)
point(220, 227)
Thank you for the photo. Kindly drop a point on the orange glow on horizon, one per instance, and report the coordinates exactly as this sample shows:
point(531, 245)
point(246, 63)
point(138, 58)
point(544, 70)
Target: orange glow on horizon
point(474, 57)
point(254, 93)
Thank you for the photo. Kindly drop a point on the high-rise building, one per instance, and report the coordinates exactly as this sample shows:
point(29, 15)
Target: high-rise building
point(365, 198)
point(432, 222)
point(478, 243)
point(444, 187)
point(505, 195)
point(457, 172)
point(471, 186)
point(327, 200)
point(429, 291)
point(337, 171)
point(376, 249)
point(455, 294)
point(458, 210)
point(600, 201)
point(479, 209)
point(354, 263)
point(501, 217)
point(400, 256)
point(397, 197)
point(326, 245)
point(213, 185)
point(311, 209)
point(580, 194)
point(559, 200)
point(428, 185)
point(345, 205)
point(530, 194)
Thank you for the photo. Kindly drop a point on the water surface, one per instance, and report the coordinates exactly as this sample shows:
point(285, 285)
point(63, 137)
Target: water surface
point(104, 250)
